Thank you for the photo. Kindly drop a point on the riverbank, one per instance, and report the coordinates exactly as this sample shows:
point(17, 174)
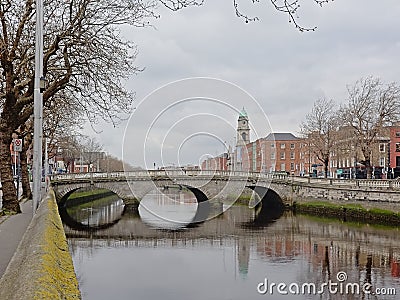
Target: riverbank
point(41, 267)
point(348, 212)
point(87, 195)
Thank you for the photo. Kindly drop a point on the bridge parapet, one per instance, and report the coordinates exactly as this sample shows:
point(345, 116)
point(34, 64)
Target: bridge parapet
point(225, 175)
point(172, 174)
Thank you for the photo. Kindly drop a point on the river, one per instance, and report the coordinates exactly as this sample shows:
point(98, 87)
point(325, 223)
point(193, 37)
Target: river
point(124, 253)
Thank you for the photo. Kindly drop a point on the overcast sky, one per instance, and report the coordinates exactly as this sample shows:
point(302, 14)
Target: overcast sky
point(284, 70)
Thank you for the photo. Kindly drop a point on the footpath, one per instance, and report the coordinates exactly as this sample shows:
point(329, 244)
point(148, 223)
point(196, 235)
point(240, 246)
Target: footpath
point(12, 229)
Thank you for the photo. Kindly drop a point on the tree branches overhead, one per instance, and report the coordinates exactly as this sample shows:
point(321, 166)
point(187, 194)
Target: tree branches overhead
point(179, 4)
point(289, 7)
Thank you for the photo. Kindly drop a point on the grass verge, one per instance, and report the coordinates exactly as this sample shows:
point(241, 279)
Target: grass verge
point(349, 212)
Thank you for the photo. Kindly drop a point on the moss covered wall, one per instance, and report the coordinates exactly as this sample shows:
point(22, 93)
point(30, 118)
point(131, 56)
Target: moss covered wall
point(42, 267)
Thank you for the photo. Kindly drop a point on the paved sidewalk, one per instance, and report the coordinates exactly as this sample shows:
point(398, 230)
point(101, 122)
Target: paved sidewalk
point(12, 228)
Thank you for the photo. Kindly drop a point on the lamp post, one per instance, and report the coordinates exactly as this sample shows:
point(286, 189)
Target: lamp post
point(389, 169)
point(38, 108)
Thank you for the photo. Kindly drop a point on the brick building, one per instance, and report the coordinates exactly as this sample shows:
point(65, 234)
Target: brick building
point(277, 152)
point(347, 159)
point(220, 162)
point(394, 150)
point(283, 152)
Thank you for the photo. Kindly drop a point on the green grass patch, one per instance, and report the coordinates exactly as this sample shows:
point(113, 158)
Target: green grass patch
point(95, 203)
point(86, 193)
point(351, 213)
point(330, 205)
point(243, 199)
point(383, 212)
point(352, 224)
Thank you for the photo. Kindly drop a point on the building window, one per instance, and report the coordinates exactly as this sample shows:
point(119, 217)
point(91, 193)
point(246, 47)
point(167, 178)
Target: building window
point(397, 147)
point(243, 136)
point(382, 161)
point(381, 147)
point(273, 155)
point(282, 155)
point(291, 155)
point(283, 167)
point(283, 146)
point(291, 166)
point(273, 145)
point(397, 134)
point(291, 146)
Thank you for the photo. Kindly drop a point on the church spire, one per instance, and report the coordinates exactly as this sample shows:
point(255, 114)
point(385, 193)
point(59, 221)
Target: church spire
point(243, 113)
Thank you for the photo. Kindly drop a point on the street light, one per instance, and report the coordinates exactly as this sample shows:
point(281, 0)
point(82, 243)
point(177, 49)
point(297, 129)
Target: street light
point(38, 109)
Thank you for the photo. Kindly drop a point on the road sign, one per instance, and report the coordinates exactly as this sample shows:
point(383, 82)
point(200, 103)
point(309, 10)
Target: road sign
point(17, 145)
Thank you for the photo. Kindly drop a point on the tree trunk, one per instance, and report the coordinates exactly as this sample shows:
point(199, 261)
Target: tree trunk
point(26, 187)
point(10, 200)
point(326, 165)
point(367, 162)
point(368, 168)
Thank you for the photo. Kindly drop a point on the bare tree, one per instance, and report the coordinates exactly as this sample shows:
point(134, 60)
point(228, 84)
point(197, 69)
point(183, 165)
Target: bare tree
point(320, 128)
point(372, 105)
point(91, 152)
point(85, 57)
point(110, 163)
point(68, 148)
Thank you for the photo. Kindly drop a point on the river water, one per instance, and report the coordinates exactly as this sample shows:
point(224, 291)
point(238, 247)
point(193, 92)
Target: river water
point(124, 253)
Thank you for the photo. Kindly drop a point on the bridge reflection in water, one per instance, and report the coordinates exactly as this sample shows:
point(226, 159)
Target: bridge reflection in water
point(133, 254)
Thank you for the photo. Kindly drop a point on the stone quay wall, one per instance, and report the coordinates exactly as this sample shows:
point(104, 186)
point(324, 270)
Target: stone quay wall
point(42, 266)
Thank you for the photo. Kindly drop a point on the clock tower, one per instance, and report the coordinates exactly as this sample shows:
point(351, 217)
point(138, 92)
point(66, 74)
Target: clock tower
point(243, 129)
point(242, 138)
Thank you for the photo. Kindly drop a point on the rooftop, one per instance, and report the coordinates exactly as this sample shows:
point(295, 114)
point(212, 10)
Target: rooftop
point(281, 136)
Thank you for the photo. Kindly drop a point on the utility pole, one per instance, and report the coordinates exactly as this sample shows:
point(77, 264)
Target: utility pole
point(38, 108)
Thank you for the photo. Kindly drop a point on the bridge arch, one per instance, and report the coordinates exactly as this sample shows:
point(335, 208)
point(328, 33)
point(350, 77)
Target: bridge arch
point(269, 199)
point(63, 195)
point(199, 194)
point(269, 209)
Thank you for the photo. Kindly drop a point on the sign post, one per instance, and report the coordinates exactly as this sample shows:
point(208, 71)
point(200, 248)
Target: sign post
point(17, 145)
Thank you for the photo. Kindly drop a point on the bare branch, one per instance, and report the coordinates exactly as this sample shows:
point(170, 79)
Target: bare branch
point(371, 107)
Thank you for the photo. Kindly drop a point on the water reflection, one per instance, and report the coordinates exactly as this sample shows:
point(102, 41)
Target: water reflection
point(94, 215)
point(171, 210)
point(227, 257)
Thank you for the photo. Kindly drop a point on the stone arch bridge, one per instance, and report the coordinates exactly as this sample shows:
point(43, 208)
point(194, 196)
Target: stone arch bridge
point(227, 185)
point(205, 185)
